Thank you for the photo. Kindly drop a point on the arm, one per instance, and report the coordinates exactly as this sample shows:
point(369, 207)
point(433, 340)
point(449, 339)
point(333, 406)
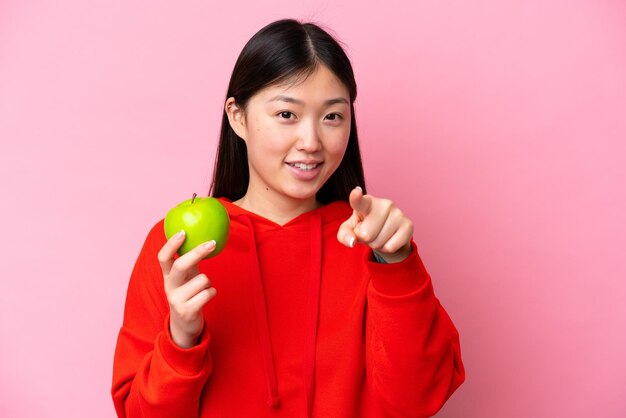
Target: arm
point(412, 352)
point(413, 356)
point(152, 376)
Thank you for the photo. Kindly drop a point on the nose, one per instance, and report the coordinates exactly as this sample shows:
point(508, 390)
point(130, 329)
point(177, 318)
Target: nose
point(308, 138)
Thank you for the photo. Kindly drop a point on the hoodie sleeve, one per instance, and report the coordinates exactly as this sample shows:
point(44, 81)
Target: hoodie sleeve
point(413, 355)
point(152, 376)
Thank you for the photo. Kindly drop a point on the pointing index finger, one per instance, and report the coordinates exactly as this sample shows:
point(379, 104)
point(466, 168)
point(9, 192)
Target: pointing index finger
point(359, 202)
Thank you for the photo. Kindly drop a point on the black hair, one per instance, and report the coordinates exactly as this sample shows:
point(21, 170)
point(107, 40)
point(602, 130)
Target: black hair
point(280, 51)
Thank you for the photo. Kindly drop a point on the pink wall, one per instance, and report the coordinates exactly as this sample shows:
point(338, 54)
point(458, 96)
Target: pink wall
point(499, 127)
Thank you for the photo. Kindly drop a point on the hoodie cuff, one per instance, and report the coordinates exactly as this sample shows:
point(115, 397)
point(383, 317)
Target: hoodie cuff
point(401, 278)
point(185, 361)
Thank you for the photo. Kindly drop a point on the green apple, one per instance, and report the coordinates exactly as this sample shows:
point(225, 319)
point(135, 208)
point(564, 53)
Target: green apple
point(203, 219)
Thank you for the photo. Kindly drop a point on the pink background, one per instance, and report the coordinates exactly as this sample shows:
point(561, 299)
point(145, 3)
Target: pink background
point(498, 126)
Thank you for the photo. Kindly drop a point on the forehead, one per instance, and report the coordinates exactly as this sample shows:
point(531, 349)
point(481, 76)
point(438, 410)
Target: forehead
point(318, 86)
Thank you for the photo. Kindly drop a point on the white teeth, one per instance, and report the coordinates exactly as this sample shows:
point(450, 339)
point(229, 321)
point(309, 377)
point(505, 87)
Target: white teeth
point(304, 166)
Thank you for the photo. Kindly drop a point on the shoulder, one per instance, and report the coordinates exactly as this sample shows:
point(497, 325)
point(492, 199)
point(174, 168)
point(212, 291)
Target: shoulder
point(155, 239)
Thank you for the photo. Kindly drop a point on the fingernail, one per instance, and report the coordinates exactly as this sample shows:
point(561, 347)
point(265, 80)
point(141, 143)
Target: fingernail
point(180, 234)
point(210, 244)
point(359, 187)
point(351, 242)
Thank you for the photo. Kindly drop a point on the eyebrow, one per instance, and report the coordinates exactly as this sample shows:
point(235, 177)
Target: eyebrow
point(301, 103)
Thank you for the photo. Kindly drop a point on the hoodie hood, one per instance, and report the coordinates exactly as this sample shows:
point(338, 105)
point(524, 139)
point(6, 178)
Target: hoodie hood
point(314, 222)
point(329, 213)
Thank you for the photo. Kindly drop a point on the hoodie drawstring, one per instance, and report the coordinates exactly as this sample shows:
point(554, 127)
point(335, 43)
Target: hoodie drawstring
point(311, 315)
point(312, 310)
point(262, 323)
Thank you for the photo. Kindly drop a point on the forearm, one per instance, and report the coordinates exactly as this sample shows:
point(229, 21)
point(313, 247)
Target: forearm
point(413, 354)
point(168, 380)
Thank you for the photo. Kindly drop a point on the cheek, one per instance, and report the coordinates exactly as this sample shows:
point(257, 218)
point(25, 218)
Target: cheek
point(267, 140)
point(259, 132)
point(338, 142)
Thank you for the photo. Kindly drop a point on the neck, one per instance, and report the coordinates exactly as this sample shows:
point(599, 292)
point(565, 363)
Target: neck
point(277, 210)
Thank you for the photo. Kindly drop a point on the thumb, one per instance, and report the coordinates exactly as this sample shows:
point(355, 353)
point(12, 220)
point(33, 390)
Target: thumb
point(346, 234)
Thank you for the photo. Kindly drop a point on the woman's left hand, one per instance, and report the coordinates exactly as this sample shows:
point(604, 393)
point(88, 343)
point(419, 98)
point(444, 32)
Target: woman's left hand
point(378, 223)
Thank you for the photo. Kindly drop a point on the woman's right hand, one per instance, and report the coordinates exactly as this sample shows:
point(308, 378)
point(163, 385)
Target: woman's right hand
point(187, 291)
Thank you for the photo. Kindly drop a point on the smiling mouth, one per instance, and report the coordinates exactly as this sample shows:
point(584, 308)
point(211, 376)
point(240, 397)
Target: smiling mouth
point(305, 167)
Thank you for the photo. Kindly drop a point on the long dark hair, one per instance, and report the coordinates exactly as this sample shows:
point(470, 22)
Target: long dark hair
point(278, 52)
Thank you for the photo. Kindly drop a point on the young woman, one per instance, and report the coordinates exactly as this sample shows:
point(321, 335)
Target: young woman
point(324, 308)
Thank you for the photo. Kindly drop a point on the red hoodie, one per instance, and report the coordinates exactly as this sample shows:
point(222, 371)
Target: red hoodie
point(301, 326)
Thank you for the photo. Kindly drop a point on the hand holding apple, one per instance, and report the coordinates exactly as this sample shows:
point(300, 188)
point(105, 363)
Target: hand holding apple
point(196, 229)
point(203, 219)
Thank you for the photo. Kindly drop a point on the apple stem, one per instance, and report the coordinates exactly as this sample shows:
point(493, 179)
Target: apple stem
point(193, 197)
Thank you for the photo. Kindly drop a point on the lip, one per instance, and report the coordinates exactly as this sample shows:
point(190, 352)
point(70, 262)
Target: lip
point(305, 174)
point(304, 162)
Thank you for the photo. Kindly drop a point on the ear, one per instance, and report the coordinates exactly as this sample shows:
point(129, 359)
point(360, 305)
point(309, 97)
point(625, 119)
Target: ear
point(236, 117)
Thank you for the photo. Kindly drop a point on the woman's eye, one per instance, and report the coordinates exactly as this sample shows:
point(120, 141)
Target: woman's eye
point(285, 115)
point(333, 116)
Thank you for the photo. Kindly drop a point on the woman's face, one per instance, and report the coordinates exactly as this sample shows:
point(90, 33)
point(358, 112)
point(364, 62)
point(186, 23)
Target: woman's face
point(296, 135)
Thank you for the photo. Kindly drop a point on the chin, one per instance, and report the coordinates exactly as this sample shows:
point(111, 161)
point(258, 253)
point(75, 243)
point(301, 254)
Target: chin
point(303, 195)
